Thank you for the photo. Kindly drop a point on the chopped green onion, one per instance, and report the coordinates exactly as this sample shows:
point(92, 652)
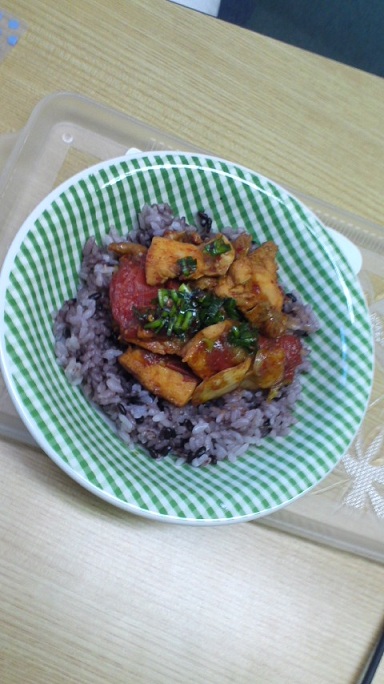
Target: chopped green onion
point(187, 321)
point(185, 311)
point(163, 296)
point(217, 247)
point(187, 266)
point(209, 344)
point(231, 309)
point(154, 325)
point(244, 336)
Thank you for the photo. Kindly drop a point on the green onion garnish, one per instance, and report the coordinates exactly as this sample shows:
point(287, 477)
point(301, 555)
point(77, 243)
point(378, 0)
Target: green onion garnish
point(244, 336)
point(187, 266)
point(217, 247)
point(183, 312)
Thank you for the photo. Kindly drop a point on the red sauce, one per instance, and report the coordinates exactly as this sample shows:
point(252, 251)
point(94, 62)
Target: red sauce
point(223, 355)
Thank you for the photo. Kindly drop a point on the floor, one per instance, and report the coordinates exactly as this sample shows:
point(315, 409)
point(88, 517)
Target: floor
point(348, 31)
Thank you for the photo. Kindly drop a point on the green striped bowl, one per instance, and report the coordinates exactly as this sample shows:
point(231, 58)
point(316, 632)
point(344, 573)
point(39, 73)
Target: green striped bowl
point(40, 272)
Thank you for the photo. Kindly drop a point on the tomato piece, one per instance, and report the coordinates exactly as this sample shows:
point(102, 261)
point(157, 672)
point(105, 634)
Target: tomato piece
point(290, 346)
point(293, 350)
point(269, 364)
point(129, 291)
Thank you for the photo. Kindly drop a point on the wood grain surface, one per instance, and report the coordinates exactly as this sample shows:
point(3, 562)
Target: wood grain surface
point(90, 594)
point(298, 118)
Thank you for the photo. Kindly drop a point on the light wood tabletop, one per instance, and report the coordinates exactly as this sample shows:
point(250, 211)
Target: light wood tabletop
point(89, 593)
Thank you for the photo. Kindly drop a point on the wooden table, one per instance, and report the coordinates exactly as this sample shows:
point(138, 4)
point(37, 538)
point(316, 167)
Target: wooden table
point(89, 593)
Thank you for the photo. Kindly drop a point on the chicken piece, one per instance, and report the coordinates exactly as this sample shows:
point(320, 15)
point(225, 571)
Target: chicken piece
point(242, 244)
point(253, 278)
point(205, 283)
point(221, 383)
point(164, 376)
point(209, 352)
point(191, 236)
point(126, 248)
point(237, 283)
point(243, 295)
point(264, 273)
point(275, 363)
point(219, 254)
point(271, 323)
point(239, 275)
point(252, 282)
point(155, 343)
point(173, 259)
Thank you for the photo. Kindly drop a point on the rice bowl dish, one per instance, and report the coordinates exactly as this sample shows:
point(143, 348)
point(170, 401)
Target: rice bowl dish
point(272, 466)
point(88, 347)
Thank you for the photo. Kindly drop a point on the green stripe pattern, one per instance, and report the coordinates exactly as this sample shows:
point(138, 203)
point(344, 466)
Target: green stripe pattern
point(44, 273)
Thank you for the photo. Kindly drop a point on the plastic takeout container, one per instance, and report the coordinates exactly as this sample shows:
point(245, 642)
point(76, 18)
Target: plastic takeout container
point(67, 133)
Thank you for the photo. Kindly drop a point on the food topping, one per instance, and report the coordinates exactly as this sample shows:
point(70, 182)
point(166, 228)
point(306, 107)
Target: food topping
point(203, 315)
point(210, 351)
point(185, 339)
point(166, 377)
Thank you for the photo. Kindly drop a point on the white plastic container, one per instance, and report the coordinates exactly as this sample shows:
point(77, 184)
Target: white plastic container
point(66, 133)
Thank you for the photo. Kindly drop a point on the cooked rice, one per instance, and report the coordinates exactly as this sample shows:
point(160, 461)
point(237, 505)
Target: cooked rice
point(87, 348)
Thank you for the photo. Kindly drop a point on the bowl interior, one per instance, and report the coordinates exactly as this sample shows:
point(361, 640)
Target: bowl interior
point(41, 271)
